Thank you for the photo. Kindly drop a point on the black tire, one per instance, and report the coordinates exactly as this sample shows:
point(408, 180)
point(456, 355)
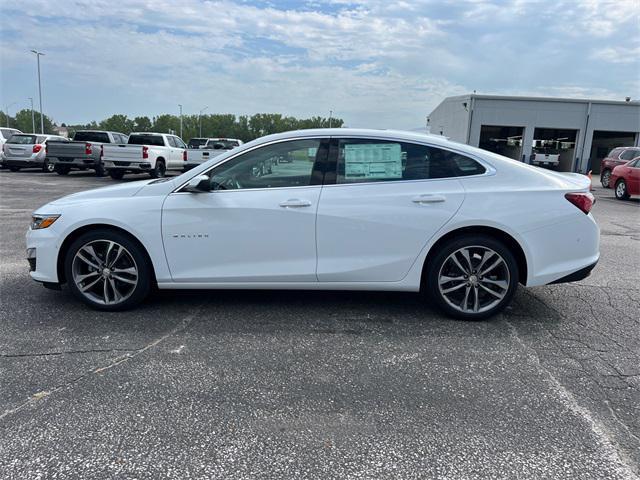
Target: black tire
point(116, 174)
point(621, 191)
point(61, 170)
point(144, 271)
point(14, 169)
point(48, 167)
point(475, 241)
point(159, 170)
point(604, 178)
point(100, 170)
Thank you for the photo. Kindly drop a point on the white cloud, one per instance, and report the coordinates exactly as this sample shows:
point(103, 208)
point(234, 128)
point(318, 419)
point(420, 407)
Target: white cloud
point(376, 63)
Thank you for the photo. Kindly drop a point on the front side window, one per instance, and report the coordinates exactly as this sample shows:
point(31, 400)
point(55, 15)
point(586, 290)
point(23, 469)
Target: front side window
point(284, 164)
point(629, 154)
point(364, 160)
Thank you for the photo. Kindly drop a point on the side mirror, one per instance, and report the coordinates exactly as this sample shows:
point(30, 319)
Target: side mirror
point(198, 184)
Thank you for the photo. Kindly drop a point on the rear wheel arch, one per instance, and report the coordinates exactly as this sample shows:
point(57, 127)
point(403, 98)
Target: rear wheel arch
point(500, 235)
point(68, 241)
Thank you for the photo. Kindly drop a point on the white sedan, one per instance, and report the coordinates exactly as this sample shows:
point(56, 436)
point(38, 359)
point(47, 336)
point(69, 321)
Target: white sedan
point(351, 210)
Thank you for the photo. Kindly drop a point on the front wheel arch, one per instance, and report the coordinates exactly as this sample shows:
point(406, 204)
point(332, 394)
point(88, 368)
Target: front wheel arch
point(68, 241)
point(497, 234)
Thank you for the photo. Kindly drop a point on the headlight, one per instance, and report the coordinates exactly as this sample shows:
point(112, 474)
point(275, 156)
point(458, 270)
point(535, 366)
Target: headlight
point(42, 221)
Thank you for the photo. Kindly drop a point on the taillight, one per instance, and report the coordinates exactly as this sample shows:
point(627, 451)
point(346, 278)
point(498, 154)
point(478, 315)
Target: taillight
point(37, 148)
point(87, 149)
point(184, 155)
point(145, 151)
point(583, 200)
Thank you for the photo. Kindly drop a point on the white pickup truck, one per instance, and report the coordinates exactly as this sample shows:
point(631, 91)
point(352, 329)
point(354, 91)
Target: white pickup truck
point(210, 148)
point(154, 153)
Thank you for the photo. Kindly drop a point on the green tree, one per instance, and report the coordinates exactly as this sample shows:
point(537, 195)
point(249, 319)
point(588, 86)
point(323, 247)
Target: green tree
point(22, 122)
point(117, 123)
point(142, 124)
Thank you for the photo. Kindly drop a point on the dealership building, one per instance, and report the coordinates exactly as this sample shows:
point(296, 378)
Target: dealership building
point(579, 133)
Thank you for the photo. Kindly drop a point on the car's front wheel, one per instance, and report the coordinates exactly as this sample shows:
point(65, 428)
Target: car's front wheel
point(621, 190)
point(107, 270)
point(116, 174)
point(472, 277)
point(605, 177)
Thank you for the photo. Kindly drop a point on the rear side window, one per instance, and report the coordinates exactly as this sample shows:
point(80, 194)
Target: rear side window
point(23, 139)
point(363, 160)
point(101, 137)
point(614, 153)
point(156, 140)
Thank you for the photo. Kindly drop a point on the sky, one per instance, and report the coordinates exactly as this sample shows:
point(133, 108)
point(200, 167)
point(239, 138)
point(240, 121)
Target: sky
point(374, 63)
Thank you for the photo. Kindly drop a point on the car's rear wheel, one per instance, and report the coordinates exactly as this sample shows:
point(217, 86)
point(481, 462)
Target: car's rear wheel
point(621, 190)
point(159, 170)
point(107, 270)
point(605, 177)
point(48, 166)
point(116, 174)
point(100, 169)
point(14, 169)
point(472, 278)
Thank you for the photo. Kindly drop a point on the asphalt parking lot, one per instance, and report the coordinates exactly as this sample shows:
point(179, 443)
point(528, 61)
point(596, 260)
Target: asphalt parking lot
point(226, 384)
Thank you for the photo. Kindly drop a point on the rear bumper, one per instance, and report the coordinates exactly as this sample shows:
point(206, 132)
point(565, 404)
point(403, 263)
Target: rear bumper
point(126, 166)
point(23, 162)
point(74, 162)
point(576, 276)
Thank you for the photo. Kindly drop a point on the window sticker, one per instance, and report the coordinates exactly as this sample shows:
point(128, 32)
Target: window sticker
point(372, 160)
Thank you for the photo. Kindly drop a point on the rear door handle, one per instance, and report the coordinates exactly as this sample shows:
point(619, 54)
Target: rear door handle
point(295, 203)
point(421, 199)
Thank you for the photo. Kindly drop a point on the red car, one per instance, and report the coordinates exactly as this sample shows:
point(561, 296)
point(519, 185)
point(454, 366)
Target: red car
point(617, 156)
point(625, 179)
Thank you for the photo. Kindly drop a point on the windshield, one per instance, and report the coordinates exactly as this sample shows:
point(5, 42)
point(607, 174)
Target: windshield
point(156, 140)
point(23, 139)
point(101, 137)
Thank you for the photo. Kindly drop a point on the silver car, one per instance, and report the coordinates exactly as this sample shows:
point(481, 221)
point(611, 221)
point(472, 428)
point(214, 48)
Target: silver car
point(28, 150)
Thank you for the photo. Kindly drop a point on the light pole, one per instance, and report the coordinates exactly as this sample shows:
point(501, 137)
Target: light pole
point(200, 120)
point(180, 120)
point(6, 109)
point(33, 118)
point(40, 90)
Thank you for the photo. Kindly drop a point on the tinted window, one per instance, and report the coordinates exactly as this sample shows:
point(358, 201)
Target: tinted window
point(146, 140)
point(101, 137)
point(197, 142)
point(361, 160)
point(23, 139)
point(629, 154)
point(285, 164)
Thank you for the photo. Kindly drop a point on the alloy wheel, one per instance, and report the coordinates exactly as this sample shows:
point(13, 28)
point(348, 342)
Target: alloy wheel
point(474, 279)
point(105, 272)
point(606, 176)
point(621, 190)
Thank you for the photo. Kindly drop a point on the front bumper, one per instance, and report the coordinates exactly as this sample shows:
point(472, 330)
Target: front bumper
point(42, 254)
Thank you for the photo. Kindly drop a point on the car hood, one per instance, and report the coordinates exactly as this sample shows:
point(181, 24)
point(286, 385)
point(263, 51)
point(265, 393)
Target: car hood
point(122, 190)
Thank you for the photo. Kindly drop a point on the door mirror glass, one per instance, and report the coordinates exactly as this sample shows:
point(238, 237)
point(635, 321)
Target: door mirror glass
point(198, 184)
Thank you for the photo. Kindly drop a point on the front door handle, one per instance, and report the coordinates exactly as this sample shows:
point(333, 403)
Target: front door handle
point(421, 199)
point(295, 203)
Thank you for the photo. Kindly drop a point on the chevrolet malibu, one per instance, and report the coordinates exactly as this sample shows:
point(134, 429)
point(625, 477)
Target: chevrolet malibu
point(351, 210)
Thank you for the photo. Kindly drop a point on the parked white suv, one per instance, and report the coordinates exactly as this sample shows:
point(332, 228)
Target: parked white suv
point(5, 134)
point(154, 153)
